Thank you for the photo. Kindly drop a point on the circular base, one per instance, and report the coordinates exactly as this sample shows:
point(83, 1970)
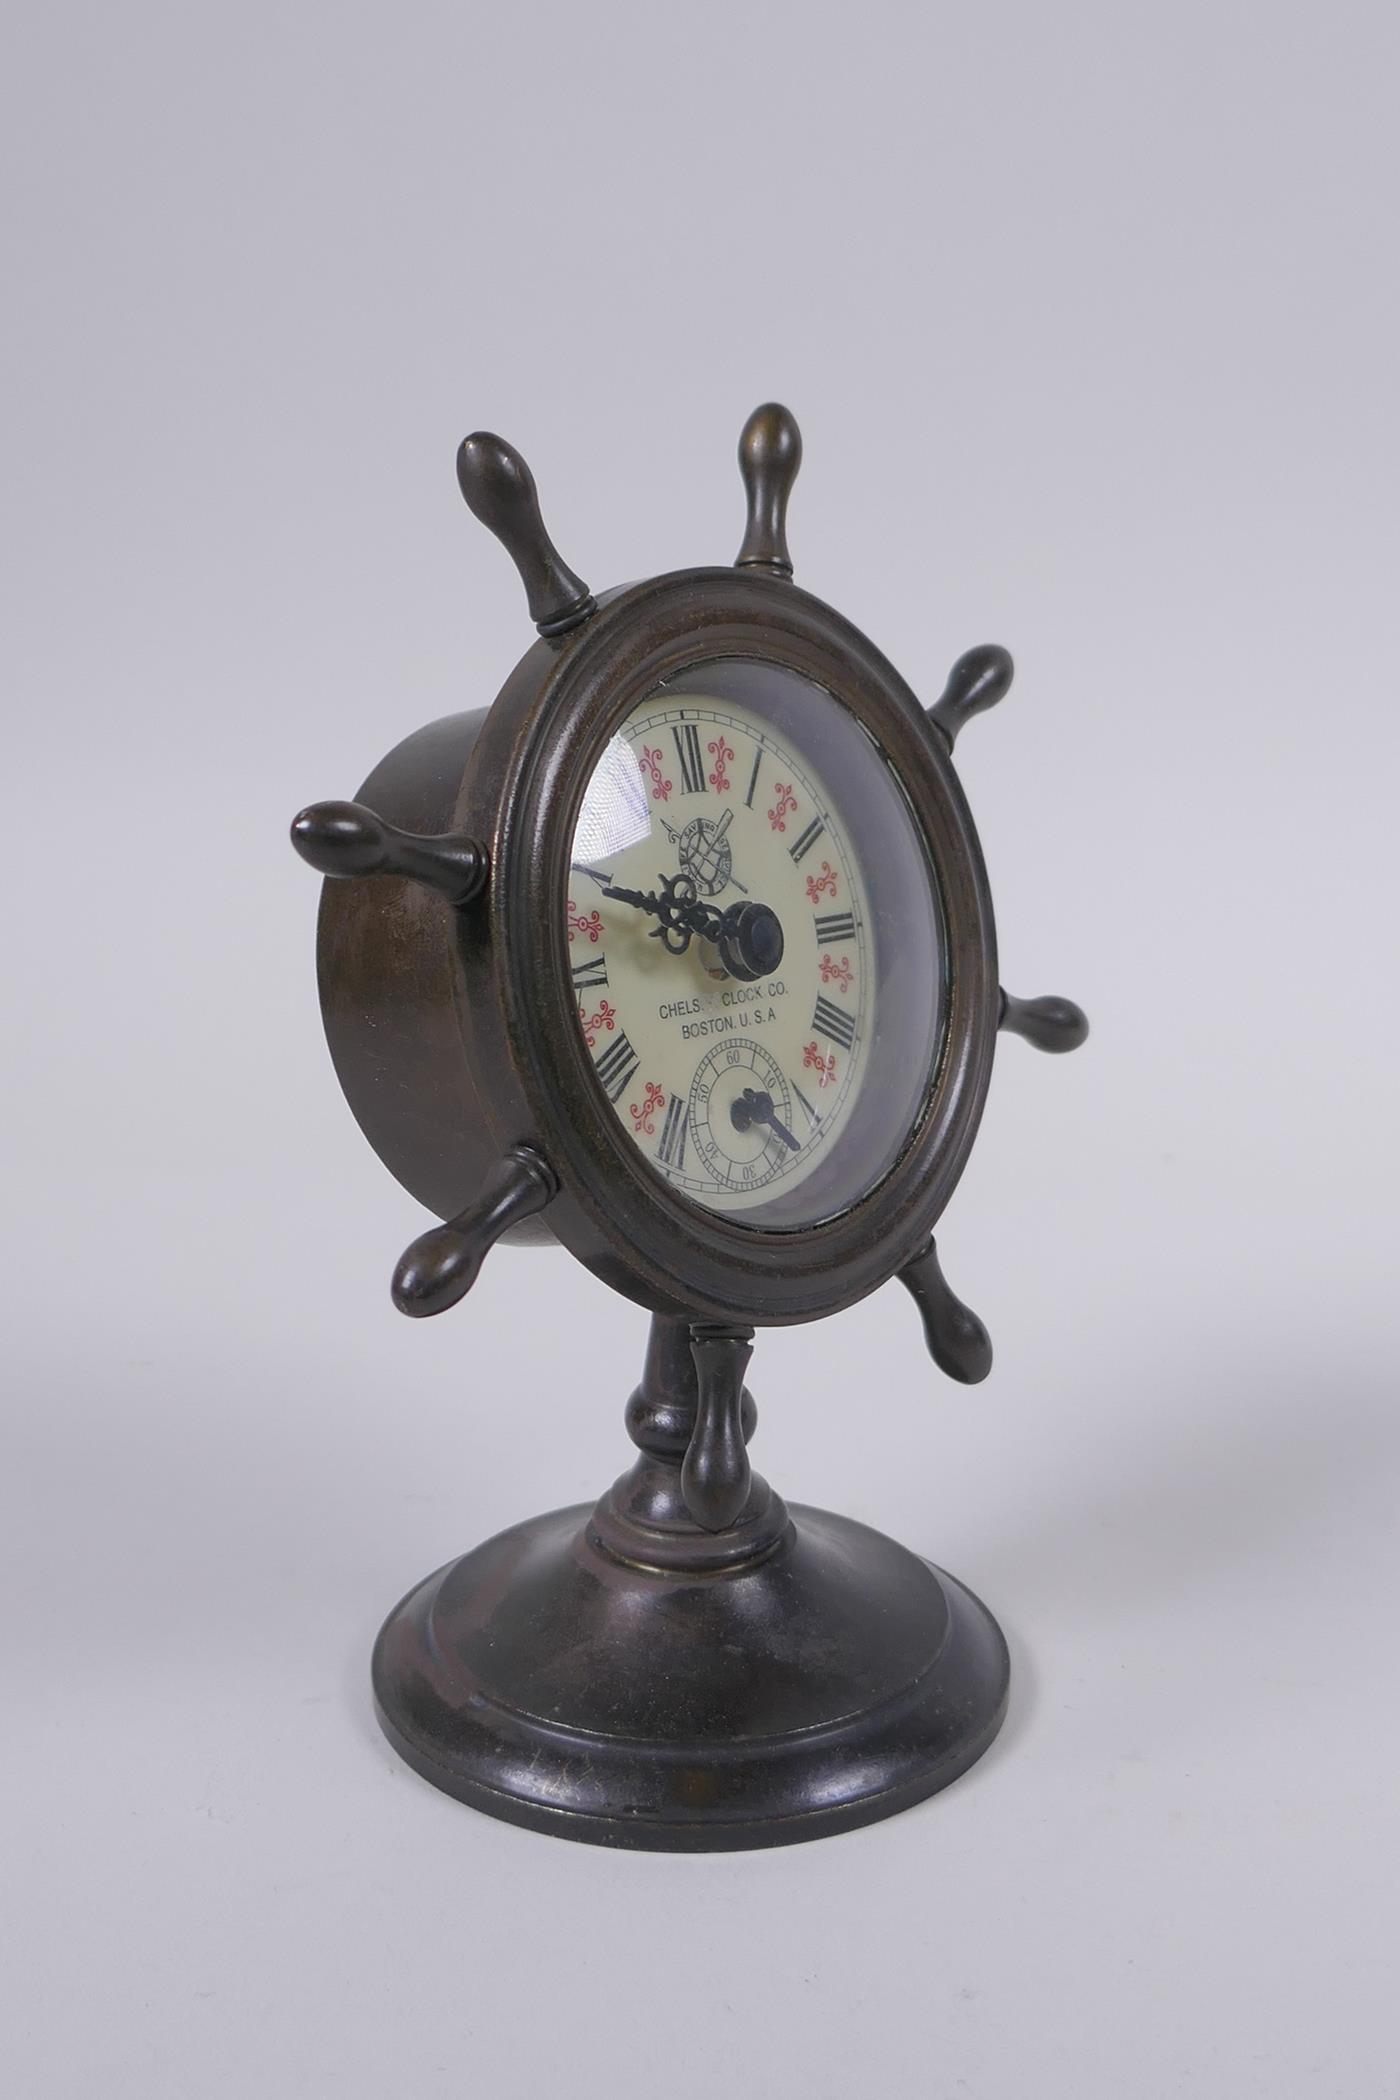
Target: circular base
point(545, 1681)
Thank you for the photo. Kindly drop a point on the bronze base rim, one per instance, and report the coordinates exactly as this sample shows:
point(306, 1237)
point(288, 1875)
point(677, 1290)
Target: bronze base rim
point(836, 1682)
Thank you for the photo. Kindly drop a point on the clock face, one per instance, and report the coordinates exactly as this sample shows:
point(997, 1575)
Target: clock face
point(756, 945)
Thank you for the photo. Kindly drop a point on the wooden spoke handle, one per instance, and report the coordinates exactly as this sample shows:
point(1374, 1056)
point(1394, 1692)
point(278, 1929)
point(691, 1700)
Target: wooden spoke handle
point(442, 1265)
point(976, 682)
point(1050, 1023)
point(499, 488)
point(345, 838)
point(770, 453)
point(957, 1341)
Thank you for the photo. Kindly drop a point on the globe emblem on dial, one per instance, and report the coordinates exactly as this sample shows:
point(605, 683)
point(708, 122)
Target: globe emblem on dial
point(706, 854)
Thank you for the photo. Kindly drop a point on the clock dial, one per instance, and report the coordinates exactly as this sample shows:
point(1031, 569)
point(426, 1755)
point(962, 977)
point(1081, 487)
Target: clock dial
point(731, 977)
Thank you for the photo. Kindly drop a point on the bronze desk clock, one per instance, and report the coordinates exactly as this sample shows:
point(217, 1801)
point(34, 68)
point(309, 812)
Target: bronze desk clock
point(681, 953)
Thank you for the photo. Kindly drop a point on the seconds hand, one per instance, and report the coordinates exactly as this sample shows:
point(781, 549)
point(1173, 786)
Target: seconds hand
point(753, 1107)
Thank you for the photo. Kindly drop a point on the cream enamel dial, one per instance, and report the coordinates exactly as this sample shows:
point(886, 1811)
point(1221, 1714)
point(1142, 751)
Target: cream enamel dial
point(735, 1075)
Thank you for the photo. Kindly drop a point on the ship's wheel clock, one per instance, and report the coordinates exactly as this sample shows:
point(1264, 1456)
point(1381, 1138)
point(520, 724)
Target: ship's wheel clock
point(681, 954)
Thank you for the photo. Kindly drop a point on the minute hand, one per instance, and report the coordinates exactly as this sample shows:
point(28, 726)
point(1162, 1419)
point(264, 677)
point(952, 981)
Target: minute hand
point(679, 909)
point(749, 936)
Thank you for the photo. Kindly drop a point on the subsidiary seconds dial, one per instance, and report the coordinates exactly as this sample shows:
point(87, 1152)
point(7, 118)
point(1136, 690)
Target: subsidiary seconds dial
point(740, 1114)
point(720, 945)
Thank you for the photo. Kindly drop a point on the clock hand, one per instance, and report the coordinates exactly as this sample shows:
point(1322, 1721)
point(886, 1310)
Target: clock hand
point(598, 875)
point(679, 909)
point(753, 1107)
point(781, 1130)
point(749, 936)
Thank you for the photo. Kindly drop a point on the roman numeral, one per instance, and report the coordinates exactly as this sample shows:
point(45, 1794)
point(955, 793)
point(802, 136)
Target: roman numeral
point(593, 970)
point(837, 1027)
point(800, 847)
point(670, 1146)
point(753, 777)
point(617, 1066)
point(688, 758)
point(837, 926)
point(812, 1116)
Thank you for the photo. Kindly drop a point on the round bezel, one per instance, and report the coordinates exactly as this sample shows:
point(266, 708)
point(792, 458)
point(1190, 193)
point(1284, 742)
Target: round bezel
point(522, 789)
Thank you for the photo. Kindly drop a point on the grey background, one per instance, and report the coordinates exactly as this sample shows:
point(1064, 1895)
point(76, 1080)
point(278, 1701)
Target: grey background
point(1089, 314)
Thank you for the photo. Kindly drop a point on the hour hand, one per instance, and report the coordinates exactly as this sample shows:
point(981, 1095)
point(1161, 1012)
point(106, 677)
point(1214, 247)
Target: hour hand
point(677, 907)
point(749, 936)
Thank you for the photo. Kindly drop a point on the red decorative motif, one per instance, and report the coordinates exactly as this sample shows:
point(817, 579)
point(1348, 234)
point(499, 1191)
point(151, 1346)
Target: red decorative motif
point(825, 881)
point(579, 922)
point(650, 762)
point(606, 1017)
point(836, 972)
point(815, 1062)
point(653, 1099)
point(787, 803)
point(721, 753)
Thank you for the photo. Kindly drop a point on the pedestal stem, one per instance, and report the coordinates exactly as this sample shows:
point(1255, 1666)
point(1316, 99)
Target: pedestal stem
point(645, 1518)
point(715, 1473)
